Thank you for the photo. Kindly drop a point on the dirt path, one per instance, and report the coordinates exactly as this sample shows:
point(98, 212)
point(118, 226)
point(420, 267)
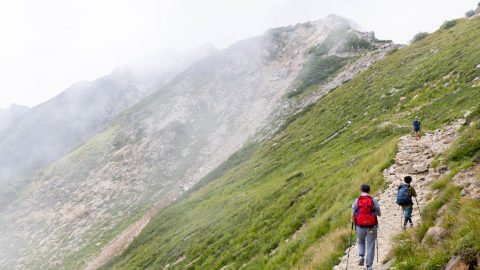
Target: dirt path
point(413, 158)
point(121, 241)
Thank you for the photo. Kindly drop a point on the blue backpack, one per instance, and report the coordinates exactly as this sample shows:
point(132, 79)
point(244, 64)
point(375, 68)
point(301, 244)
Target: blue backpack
point(403, 195)
point(416, 124)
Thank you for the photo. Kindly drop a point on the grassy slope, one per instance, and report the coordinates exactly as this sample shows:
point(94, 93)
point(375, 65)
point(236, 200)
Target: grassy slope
point(244, 217)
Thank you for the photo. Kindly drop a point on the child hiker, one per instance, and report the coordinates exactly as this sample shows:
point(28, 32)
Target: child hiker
point(404, 198)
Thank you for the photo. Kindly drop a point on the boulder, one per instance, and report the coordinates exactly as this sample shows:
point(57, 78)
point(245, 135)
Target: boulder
point(434, 233)
point(456, 264)
point(388, 265)
point(407, 169)
point(391, 170)
point(420, 168)
point(442, 169)
point(428, 153)
point(434, 175)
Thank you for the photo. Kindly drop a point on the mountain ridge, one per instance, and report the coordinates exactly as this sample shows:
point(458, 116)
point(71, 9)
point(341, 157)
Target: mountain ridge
point(157, 147)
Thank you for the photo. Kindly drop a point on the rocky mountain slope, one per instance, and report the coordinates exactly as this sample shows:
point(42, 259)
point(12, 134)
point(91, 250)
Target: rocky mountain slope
point(160, 147)
point(38, 136)
point(8, 116)
point(284, 203)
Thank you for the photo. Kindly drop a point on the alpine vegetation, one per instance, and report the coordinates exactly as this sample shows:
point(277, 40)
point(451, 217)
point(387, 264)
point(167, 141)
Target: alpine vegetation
point(312, 146)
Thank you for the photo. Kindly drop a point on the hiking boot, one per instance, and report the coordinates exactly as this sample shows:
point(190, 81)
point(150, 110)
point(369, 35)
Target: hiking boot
point(361, 261)
point(411, 225)
point(369, 268)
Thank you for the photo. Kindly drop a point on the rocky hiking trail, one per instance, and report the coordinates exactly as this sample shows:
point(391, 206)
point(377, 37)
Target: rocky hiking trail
point(413, 158)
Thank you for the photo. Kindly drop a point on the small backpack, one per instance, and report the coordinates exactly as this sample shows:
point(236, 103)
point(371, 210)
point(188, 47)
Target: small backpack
point(365, 215)
point(403, 195)
point(416, 124)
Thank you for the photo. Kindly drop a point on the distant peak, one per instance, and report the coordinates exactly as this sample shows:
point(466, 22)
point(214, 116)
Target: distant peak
point(14, 106)
point(339, 20)
point(334, 16)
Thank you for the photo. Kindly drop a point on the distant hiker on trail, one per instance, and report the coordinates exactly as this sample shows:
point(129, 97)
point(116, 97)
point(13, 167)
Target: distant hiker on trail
point(365, 211)
point(404, 198)
point(416, 128)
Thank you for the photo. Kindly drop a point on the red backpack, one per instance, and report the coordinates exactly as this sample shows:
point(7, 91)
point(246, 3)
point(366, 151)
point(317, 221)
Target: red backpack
point(365, 215)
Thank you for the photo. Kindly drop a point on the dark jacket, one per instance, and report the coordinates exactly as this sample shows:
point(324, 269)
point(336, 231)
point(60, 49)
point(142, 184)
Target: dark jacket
point(416, 124)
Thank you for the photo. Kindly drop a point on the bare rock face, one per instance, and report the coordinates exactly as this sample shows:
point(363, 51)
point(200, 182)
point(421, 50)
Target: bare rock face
point(31, 139)
point(433, 236)
point(469, 182)
point(456, 264)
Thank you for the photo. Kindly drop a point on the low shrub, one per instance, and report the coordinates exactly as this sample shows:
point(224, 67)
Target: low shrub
point(469, 13)
point(316, 71)
point(448, 24)
point(419, 36)
point(355, 43)
point(392, 51)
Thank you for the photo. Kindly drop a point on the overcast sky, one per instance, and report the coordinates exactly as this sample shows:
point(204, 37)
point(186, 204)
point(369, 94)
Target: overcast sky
point(47, 45)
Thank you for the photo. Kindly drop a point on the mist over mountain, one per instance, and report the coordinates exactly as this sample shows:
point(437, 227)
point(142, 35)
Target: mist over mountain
point(8, 116)
point(249, 157)
point(31, 139)
point(160, 147)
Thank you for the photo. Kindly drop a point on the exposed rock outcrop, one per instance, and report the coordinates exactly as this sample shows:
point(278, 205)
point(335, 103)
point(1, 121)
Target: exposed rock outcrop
point(456, 264)
point(469, 181)
point(434, 235)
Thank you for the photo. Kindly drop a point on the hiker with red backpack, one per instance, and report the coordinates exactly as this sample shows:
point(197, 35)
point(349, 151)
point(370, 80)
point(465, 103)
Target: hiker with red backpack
point(365, 211)
point(405, 193)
